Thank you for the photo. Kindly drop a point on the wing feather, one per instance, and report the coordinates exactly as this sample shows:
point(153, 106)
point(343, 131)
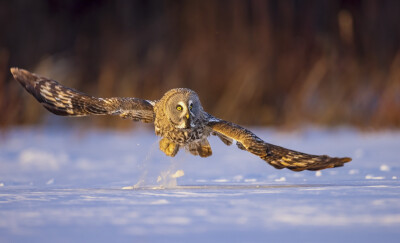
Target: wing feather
point(64, 101)
point(276, 156)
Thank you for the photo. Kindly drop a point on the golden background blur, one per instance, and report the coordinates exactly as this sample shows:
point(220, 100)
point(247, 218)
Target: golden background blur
point(266, 63)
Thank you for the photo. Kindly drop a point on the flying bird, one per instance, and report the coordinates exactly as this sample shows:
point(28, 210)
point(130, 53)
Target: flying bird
point(178, 117)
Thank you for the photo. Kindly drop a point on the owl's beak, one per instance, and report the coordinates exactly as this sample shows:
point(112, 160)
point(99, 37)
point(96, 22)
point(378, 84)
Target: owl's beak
point(188, 123)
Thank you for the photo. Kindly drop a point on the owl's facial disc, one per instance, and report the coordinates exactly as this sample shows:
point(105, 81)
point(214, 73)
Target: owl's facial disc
point(183, 110)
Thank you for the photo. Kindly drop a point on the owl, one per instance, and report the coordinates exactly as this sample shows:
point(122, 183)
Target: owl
point(178, 117)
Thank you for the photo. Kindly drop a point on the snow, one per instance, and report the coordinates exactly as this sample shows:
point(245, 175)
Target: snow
point(76, 185)
point(384, 168)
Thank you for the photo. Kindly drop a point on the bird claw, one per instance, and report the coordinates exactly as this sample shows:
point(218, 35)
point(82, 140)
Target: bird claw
point(168, 147)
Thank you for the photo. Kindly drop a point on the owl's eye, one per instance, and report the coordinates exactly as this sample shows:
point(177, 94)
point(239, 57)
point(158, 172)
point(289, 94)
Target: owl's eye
point(179, 107)
point(190, 106)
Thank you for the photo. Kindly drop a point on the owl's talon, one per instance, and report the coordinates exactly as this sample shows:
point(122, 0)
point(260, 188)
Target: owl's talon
point(168, 147)
point(172, 149)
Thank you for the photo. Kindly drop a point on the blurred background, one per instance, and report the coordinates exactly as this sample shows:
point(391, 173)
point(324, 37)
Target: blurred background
point(283, 63)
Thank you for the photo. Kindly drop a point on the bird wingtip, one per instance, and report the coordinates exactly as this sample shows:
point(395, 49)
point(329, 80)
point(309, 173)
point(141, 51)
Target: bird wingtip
point(14, 70)
point(346, 159)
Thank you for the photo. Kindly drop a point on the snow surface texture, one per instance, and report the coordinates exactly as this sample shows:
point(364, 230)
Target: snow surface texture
point(72, 185)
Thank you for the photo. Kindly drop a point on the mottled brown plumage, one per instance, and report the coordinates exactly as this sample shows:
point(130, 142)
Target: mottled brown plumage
point(178, 118)
point(64, 101)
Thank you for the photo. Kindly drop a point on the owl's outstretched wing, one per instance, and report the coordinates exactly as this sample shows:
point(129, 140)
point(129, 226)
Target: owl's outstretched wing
point(64, 101)
point(274, 155)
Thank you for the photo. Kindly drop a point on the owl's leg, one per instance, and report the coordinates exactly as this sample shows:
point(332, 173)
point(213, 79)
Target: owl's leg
point(168, 147)
point(201, 148)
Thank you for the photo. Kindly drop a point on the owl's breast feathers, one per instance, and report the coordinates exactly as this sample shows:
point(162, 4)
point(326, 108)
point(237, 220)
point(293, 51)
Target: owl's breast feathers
point(180, 136)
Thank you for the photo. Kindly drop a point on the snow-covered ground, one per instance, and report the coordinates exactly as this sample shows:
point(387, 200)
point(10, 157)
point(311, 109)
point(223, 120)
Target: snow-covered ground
point(61, 184)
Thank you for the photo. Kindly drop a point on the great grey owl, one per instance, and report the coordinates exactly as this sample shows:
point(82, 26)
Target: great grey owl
point(179, 120)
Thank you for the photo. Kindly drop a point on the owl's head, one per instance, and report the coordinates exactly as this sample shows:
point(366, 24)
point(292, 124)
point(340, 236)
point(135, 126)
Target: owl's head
point(182, 107)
